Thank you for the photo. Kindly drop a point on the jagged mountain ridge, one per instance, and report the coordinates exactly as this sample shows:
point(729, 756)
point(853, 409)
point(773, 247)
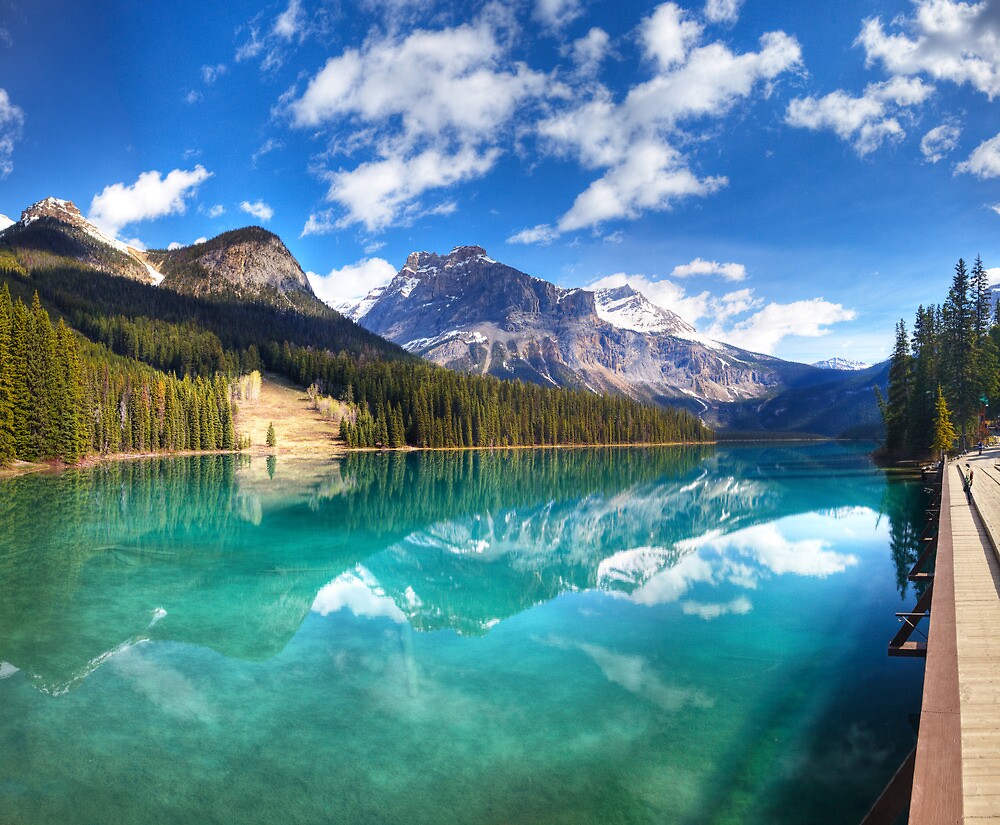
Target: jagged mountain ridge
point(469, 312)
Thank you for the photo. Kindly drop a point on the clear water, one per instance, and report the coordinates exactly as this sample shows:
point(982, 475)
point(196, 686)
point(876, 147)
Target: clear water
point(599, 636)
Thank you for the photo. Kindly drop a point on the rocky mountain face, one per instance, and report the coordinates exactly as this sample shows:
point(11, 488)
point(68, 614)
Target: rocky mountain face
point(54, 227)
point(469, 312)
point(245, 264)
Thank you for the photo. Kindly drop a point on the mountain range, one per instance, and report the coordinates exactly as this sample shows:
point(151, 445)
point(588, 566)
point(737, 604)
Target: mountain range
point(468, 312)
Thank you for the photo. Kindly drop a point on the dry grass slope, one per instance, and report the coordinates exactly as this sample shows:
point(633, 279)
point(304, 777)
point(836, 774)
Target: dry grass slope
point(300, 430)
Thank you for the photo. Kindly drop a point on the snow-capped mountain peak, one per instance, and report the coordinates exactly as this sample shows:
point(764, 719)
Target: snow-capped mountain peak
point(5, 222)
point(838, 363)
point(625, 308)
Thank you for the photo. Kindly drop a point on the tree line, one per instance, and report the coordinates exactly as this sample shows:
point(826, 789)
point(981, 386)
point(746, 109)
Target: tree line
point(61, 399)
point(943, 374)
point(393, 398)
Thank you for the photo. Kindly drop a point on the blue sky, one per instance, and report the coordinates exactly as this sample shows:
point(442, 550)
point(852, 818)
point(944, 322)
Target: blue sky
point(787, 179)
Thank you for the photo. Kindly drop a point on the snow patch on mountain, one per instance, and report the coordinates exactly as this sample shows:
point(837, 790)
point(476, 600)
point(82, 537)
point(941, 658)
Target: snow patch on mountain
point(5, 222)
point(625, 308)
point(838, 363)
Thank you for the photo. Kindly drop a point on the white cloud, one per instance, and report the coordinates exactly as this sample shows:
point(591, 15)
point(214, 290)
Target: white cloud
point(433, 107)
point(766, 328)
point(634, 141)
point(352, 282)
point(653, 176)
point(151, 196)
point(174, 245)
point(556, 14)
point(940, 141)
point(257, 209)
point(722, 11)
point(729, 271)
point(358, 593)
point(383, 192)
point(192, 97)
point(212, 73)
point(216, 211)
point(540, 234)
point(993, 273)
point(944, 39)
point(995, 207)
point(11, 124)
point(136, 243)
point(984, 162)
point(290, 22)
point(589, 51)
point(198, 241)
point(668, 35)
point(864, 121)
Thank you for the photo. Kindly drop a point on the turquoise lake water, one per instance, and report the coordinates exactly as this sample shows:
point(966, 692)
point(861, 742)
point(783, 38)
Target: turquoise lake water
point(683, 635)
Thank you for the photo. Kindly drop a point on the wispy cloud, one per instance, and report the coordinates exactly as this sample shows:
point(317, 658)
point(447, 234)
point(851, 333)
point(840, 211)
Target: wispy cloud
point(11, 125)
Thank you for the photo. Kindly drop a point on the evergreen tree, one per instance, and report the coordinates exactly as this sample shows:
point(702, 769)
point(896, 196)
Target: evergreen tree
point(896, 408)
point(271, 440)
point(959, 349)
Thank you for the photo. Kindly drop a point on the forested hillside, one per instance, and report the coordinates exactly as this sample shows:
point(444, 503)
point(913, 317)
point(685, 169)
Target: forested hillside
point(946, 373)
point(157, 373)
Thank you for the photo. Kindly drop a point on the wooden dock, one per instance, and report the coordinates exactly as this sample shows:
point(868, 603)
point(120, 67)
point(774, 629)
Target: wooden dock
point(957, 768)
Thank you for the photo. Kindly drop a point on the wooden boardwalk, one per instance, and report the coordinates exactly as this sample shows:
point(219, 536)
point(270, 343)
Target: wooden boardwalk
point(964, 642)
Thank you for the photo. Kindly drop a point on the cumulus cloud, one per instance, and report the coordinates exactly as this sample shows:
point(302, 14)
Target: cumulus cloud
point(540, 234)
point(215, 211)
point(944, 39)
point(634, 142)
point(865, 122)
point(556, 14)
point(11, 124)
point(939, 142)
point(151, 196)
point(766, 328)
point(984, 162)
point(722, 11)
point(258, 209)
point(431, 104)
point(729, 271)
point(174, 245)
point(589, 51)
point(350, 283)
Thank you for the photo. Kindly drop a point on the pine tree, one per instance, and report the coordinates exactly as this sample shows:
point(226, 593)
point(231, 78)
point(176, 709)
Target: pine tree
point(959, 348)
point(271, 440)
point(896, 408)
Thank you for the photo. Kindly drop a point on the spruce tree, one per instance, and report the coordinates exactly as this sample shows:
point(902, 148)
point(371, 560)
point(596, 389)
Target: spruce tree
point(271, 440)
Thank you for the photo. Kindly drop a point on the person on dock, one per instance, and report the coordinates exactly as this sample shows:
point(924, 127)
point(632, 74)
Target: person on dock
point(980, 446)
point(968, 481)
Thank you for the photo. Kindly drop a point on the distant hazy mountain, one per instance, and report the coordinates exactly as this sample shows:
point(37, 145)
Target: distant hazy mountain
point(837, 363)
point(469, 312)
